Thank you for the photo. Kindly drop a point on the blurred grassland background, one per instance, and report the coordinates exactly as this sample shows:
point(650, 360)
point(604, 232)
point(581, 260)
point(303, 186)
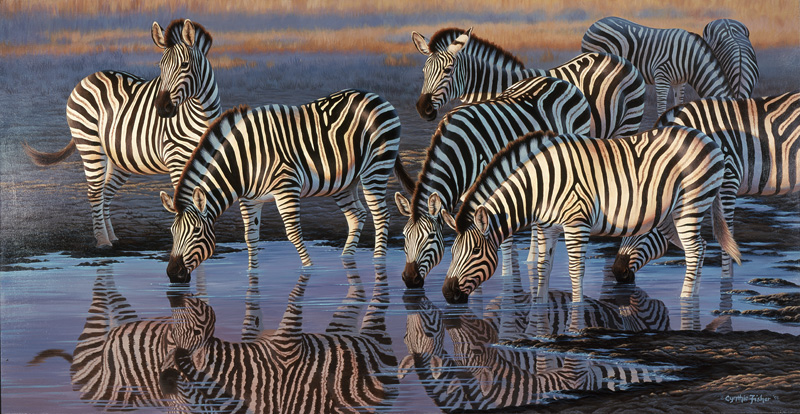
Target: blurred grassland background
point(241, 27)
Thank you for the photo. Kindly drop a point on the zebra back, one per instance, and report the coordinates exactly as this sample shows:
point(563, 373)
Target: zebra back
point(730, 41)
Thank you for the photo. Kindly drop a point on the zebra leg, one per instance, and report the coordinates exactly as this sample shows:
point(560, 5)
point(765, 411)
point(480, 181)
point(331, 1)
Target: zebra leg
point(661, 83)
point(354, 212)
point(115, 178)
point(547, 238)
point(677, 94)
point(506, 248)
point(374, 188)
point(694, 248)
point(576, 239)
point(251, 216)
point(533, 251)
point(95, 165)
point(346, 315)
point(289, 208)
point(727, 194)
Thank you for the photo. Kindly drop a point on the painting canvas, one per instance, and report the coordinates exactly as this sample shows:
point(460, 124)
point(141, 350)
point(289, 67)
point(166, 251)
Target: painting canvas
point(88, 324)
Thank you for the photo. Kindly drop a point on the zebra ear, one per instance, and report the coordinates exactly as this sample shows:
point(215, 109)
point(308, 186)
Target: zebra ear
point(448, 218)
point(166, 201)
point(199, 198)
point(405, 366)
point(459, 43)
point(158, 36)
point(486, 381)
point(434, 204)
point(421, 43)
point(187, 35)
point(482, 219)
point(402, 204)
point(437, 365)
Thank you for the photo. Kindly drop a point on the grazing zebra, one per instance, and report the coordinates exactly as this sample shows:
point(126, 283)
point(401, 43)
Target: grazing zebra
point(663, 56)
point(123, 125)
point(283, 153)
point(116, 363)
point(761, 137)
point(466, 67)
point(288, 370)
point(730, 41)
point(665, 178)
point(465, 140)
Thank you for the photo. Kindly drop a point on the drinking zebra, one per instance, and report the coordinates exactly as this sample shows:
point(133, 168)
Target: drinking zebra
point(464, 142)
point(466, 67)
point(665, 178)
point(288, 370)
point(761, 138)
point(123, 125)
point(730, 41)
point(663, 56)
point(283, 153)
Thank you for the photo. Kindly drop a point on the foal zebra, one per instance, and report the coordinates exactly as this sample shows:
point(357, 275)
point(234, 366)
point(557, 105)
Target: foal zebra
point(464, 142)
point(123, 125)
point(344, 369)
point(283, 153)
point(761, 138)
point(665, 178)
point(730, 41)
point(663, 56)
point(466, 67)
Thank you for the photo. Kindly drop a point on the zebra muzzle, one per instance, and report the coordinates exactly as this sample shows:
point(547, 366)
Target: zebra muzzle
point(411, 276)
point(425, 107)
point(452, 292)
point(621, 269)
point(164, 106)
point(176, 270)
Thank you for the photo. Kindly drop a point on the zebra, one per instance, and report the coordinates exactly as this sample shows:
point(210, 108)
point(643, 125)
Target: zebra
point(730, 41)
point(465, 140)
point(663, 56)
point(761, 137)
point(466, 67)
point(665, 178)
point(283, 153)
point(122, 124)
point(288, 370)
point(118, 357)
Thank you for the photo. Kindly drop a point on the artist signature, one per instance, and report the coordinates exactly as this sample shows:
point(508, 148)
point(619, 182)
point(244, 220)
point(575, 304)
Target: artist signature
point(750, 399)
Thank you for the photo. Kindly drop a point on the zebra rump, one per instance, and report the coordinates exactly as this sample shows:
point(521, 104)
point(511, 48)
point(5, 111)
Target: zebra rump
point(730, 41)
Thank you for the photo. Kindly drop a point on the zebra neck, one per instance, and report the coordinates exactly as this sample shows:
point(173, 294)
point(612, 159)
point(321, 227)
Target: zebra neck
point(208, 98)
point(484, 80)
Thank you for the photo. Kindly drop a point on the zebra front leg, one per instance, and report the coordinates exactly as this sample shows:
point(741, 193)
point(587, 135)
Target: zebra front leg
point(533, 250)
point(661, 83)
point(251, 217)
point(115, 178)
point(289, 208)
point(547, 238)
point(576, 238)
point(506, 248)
point(354, 212)
point(694, 248)
point(374, 188)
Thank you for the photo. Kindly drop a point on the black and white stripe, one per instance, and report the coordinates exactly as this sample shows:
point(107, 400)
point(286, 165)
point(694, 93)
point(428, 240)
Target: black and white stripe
point(663, 56)
point(466, 67)
point(663, 178)
point(284, 153)
point(122, 124)
point(465, 141)
point(761, 139)
point(730, 41)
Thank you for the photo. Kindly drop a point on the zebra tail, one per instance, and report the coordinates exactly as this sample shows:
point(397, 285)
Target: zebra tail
point(44, 159)
point(49, 353)
point(722, 233)
point(405, 180)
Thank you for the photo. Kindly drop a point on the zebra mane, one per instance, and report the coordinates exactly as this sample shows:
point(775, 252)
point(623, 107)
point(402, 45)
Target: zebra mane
point(231, 116)
point(436, 139)
point(489, 51)
point(172, 34)
point(498, 170)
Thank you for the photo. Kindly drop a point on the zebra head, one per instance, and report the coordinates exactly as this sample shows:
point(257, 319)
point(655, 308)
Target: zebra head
point(193, 321)
point(184, 67)
point(444, 77)
point(193, 238)
point(474, 257)
point(424, 245)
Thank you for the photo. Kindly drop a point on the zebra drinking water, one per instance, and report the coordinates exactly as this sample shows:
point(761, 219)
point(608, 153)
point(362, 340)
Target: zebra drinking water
point(283, 153)
point(663, 56)
point(122, 124)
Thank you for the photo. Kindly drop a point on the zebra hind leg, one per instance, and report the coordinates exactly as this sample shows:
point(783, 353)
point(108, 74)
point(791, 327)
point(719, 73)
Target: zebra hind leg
point(374, 188)
point(355, 214)
point(288, 204)
point(95, 170)
point(115, 178)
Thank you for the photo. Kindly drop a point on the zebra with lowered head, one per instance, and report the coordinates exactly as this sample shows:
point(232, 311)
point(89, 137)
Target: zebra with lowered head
point(465, 67)
point(665, 178)
point(122, 124)
point(283, 153)
point(464, 142)
point(730, 41)
point(664, 57)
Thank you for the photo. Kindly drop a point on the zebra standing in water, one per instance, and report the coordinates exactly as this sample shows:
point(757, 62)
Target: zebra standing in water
point(663, 56)
point(288, 370)
point(283, 153)
point(466, 67)
point(761, 138)
point(464, 142)
point(730, 41)
point(665, 178)
point(123, 125)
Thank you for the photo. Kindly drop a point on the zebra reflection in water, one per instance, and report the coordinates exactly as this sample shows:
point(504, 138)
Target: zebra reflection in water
point(344, 369)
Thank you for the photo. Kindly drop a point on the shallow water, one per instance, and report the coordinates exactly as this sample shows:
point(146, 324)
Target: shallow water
point(45, 307)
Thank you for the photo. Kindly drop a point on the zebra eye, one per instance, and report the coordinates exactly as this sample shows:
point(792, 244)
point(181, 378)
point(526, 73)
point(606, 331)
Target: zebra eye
point(447, 70)
point(185, 65)
point(198, 332)
point(476, 250)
